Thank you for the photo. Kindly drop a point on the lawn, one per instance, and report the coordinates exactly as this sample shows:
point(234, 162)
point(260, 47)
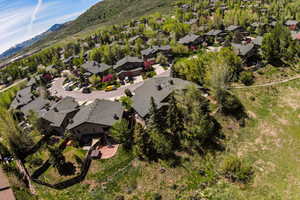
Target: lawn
point(272, 140)
point(105, 180)
point(8, 95)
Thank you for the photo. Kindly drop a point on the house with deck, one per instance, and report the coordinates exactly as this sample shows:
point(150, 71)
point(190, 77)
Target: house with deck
point(95, 119)
point(160, 89)
point(129, 66)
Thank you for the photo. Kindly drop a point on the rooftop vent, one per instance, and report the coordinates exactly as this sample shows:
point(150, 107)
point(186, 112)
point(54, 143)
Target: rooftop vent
point(116, 117)
point(171, 82)
point(55, 109)
point(158, 87)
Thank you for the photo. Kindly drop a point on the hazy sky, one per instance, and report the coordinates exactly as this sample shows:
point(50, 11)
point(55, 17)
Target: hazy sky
point(22, 19)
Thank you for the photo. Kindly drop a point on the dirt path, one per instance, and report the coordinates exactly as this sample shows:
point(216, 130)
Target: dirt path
point(267, 84)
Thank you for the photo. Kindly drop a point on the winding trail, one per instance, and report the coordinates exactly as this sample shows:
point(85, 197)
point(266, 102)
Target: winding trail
point(267, 84)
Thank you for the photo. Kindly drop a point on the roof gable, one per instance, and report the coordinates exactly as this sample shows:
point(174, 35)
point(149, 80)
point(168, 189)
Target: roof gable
point(101, 112)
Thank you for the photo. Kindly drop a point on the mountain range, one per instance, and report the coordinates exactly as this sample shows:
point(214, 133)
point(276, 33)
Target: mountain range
point(19, 47)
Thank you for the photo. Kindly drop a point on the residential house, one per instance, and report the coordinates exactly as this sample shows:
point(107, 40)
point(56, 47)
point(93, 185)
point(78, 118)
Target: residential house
point(53, 67)
point(151, 52)
point(22, 98)
point(245, 51)
point(129, 66)
point(191, 40)
point(38, 105)
point(292, 24)
point(57, 118)
point(234, 28)
point(215, 36)
point(95, 119)
point(94, 67)
point(68, 61)
point(159, 88)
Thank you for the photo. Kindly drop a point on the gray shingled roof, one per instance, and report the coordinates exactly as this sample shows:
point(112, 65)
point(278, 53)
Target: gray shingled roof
point(192, 21)
point(155, 49)
point(258, 40)
point(232, 28)
point(241, 49)
point(213, 32)
point(57, 114)
point(134, 38)
point(127, 59)
point(257, 24)
point(38, 106)
point(23, 97)
point(101, 112)
point(291, 22)
point(31, 82)
point(94, 67)
point(142, 95)
point(149, 51)
point(188, 39)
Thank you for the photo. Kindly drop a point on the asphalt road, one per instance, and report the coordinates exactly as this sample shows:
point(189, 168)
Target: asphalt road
point(58, 90)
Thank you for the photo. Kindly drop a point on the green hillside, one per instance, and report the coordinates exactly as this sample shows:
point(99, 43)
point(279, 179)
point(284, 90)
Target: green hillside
point(106, 12)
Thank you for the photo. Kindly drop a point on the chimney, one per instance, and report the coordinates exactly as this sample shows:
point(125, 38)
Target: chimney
point(158, 87)
point(55, 109)
point(171, 81)
point(116, 117)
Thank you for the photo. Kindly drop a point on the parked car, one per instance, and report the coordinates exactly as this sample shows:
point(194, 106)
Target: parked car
point(86, 90)
point(110, 88)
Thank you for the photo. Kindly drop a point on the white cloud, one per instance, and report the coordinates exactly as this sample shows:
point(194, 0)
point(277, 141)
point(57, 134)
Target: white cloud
point(33, 16)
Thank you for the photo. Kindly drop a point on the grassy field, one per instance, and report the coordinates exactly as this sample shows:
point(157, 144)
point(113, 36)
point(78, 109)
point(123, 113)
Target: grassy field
point(8, 95)
point(272, 140)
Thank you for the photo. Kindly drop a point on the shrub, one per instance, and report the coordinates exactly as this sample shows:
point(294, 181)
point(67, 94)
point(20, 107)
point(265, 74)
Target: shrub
point(247, 78)
point(237, 170)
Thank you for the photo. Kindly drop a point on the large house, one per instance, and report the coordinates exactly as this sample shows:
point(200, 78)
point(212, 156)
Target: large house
point(245, 51)
point(158, 88)
point(191, 40)
point(38, 105)
point(57, 118)
point(95, 119)
point(129, 66)
point(93, 67)
point(234, 28)
point(22, 98)
point(151, 52)
point(215, 35)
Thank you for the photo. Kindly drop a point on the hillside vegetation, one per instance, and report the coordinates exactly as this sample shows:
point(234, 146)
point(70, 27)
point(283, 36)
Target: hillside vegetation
point(107, 12)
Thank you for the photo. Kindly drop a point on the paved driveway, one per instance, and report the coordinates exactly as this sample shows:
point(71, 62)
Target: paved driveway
point(58, 90)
